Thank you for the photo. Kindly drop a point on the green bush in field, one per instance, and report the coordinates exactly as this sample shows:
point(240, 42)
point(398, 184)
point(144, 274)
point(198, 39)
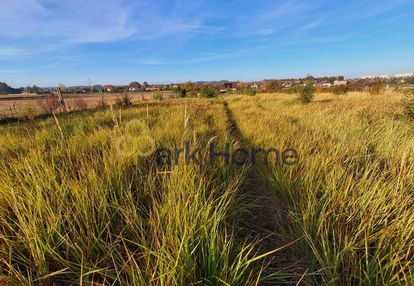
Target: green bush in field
point(307, 93)
point(295, 88)
point(250, 91)
point(408, 103)
point(208, 92)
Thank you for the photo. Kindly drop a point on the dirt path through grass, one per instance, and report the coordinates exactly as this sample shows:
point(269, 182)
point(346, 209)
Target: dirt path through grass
point(266, 220)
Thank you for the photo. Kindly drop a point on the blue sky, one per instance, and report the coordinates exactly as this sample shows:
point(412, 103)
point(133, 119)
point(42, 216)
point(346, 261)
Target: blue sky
point(47, 42)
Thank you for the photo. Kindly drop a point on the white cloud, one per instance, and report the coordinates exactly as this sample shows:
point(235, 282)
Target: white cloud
point(8, 52)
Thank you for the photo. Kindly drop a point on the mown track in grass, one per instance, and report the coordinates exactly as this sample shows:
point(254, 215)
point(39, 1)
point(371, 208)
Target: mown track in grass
point(265, 219)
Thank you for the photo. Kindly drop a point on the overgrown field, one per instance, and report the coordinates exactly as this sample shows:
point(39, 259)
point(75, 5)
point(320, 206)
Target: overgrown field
point(81, 204)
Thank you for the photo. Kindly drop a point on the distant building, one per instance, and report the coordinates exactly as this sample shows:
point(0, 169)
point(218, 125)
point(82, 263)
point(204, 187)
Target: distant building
point(152, 88)
point(340, 82)
point(134, 86)
point(404, 75)
point(230, 85)
point(108, 88)
point(326, 84)
point(368, 77)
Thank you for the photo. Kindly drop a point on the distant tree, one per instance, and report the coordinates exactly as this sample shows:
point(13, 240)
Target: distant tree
point(309, 79)
point(190, 88)
point(307, 93)
point(145, 84)
point(135, 84)
point(5, 89)
point(182, 92)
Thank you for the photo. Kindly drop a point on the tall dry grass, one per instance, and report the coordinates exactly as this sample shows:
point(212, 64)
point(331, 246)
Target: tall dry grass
point(351, 195)
point(77, 206)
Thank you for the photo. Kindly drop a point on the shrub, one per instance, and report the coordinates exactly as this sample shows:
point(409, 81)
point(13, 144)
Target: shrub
point(28, 113)
point(48, 104)
point(376, 88)
point(295, 88)
point(250, 91)
point(408, 103)
point(339, 89)
point(158, 96)
point(124, 101)
point(181, 92)
point(307, 93)
point(208, 92)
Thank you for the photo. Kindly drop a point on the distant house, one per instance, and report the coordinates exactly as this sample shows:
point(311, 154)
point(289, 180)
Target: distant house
point(230, 85)
point(225, 86)
point(134, 86)
point(152, 88)
point(108, 88)
point(340, 82)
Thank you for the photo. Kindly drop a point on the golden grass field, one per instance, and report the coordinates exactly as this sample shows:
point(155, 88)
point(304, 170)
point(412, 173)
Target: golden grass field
point(79, 206)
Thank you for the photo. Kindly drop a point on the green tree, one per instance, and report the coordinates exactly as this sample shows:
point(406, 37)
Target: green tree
point(190, 88)
point(307, 93)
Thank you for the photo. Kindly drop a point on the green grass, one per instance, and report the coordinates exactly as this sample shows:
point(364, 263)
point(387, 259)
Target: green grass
point(79, 207)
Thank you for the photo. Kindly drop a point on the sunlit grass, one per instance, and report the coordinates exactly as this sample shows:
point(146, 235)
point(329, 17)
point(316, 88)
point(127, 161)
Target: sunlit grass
point(351, 195)
point(79, 206)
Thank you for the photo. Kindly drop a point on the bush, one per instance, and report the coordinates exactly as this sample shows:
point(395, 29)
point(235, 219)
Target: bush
point(250, 91)
point(376, 88)
point(123, 101)
point(28, 113)
point(48, 104)
point(295, 88)
point(208, 92)
point(339, 89)
point(307, 93)
point(408, 103)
